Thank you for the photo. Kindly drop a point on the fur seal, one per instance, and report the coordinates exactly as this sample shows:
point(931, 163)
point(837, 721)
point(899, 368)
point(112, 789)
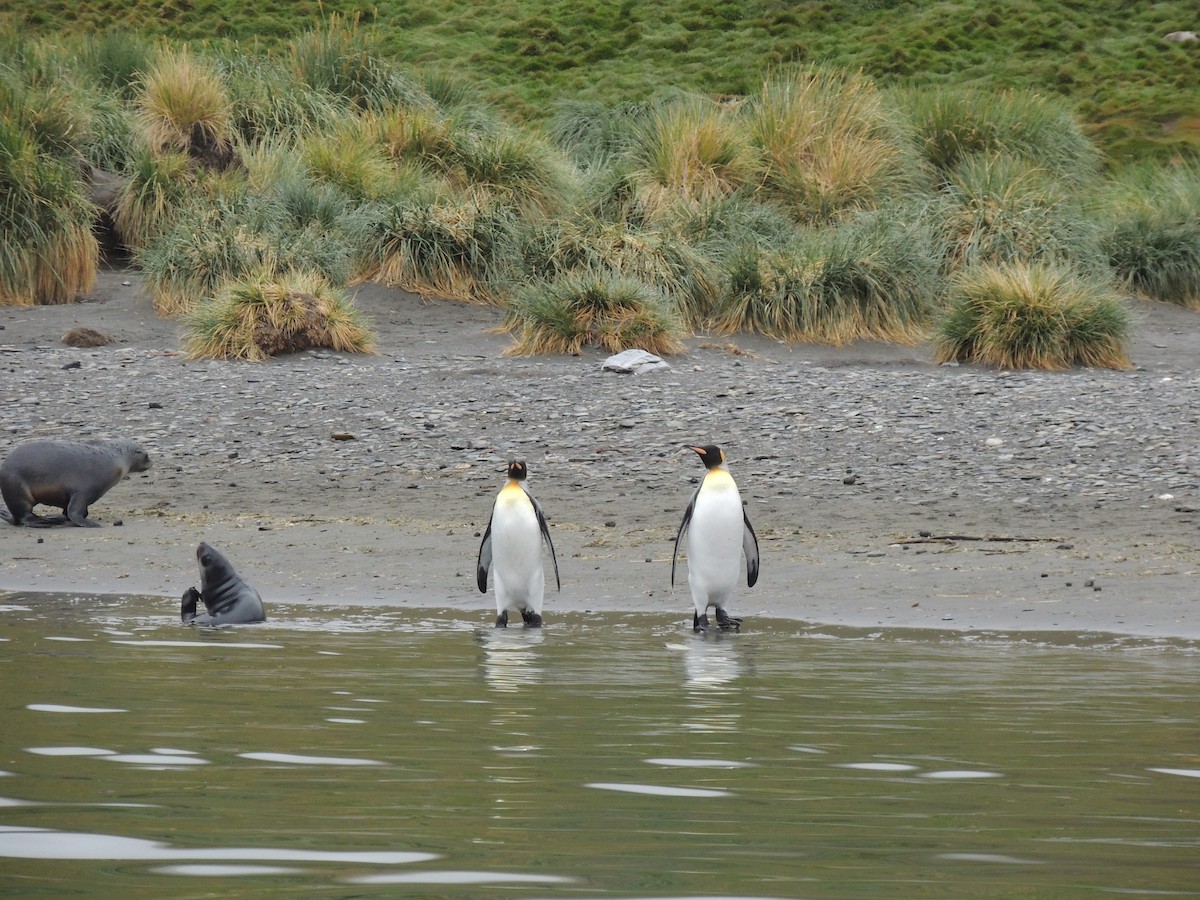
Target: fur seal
point(227, 597)
point(66, 474)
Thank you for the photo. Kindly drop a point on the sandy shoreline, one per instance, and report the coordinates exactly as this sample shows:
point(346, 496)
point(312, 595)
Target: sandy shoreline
point(887, 492)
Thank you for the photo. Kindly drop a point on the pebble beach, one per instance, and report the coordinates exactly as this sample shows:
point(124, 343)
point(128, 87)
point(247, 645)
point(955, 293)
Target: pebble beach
point(887, 492)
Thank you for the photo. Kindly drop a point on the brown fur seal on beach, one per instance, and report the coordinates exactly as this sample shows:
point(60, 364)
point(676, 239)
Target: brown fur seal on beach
point(66, 474)
point(227, 597)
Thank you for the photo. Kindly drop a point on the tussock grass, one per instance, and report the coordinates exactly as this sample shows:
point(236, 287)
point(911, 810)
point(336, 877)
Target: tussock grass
point(516, 167)
point(1000, 209)
point(1032, 316)
point(444, 244)
point(688, 279)
point(830, 145)
point(593, 132)
point(110, 141)
point(212, 241)
point(156, 186)
point(53, 111)
point(267, 102)
point(350, 157)
point(870, 279)
point(266, 314)
point(1152, 234)
point(687, 155)
point(47, 251)
point(116, 59)
point(343, 59)
point(183, 107)
point(952, 125)
point(592, 309)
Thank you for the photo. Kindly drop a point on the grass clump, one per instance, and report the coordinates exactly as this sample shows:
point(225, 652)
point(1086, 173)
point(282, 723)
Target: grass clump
point(350, 157)
point(999, 209)
point(341, 58)
point(685, 276)
point(688, 154)
point(156, 186)
point(1032, 316)
point(445, 244)
point(873, 278)
point(47, 251)
point(267, 102)
point(212, 241)
point(830, 147)
point(592, 309)
point(183, 107)
point(953, 125)
point(266, 314)
point(1152, 239)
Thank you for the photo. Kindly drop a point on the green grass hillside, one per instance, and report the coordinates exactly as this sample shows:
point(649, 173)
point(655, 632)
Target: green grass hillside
point(1137, 94)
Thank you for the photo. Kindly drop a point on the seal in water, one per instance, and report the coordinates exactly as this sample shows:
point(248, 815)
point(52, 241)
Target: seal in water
point(227, 597)
point(65, 474)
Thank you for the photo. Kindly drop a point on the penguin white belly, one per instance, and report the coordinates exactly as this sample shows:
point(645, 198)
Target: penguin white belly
point(517, 553)
point(715, 542)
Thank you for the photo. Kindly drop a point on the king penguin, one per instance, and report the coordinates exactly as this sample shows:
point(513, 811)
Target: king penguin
point(719, 532)
point(513, 542)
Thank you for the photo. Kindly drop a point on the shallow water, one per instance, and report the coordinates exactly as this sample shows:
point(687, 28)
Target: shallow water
point(348, 752)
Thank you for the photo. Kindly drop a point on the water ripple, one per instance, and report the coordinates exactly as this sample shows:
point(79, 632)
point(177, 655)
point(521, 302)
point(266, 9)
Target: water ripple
point(298, 760)
point(659, 790)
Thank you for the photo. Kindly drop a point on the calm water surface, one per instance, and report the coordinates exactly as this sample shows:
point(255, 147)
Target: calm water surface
point(342, 752)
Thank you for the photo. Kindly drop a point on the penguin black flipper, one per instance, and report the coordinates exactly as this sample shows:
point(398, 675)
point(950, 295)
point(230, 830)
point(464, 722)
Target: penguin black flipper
point(687, 518)
point(750, 548)
point(484, 563)
point(541, 517)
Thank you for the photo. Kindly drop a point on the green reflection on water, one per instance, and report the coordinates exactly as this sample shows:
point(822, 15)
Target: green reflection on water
point(616, 755)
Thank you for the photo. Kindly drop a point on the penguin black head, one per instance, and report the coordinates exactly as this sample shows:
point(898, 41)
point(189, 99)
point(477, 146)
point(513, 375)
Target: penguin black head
point(517, 470)
point(710, 454)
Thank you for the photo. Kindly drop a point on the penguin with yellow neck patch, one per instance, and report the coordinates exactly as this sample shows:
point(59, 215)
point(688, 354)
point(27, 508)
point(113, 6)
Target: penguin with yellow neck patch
point(719, 533)
point(512, 545)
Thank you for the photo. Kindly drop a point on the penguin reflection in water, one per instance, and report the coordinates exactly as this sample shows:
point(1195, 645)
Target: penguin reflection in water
point(719, 532)
point(513, 543)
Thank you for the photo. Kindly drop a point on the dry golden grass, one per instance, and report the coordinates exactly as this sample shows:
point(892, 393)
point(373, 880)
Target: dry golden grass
point(689, 155)
point(828, 146)
point(264, 315)
point(61, 266)
point(1032, 316)
point(183, 105)
point(589, 309)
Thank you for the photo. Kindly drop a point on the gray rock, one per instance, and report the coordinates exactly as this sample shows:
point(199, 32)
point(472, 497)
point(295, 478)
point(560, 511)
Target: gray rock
point(634, 362)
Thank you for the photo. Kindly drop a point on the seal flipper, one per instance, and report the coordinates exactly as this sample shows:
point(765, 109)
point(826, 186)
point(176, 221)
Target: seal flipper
point(33, 520)
point(187, 609)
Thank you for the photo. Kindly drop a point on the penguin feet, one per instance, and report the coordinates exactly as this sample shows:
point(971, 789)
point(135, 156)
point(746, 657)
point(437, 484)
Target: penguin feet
point(531, 619)
point(700, 623)
point(728, 622)
point(502, 620)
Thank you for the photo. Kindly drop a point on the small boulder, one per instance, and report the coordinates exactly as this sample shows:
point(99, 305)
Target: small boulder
point(634, 362)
